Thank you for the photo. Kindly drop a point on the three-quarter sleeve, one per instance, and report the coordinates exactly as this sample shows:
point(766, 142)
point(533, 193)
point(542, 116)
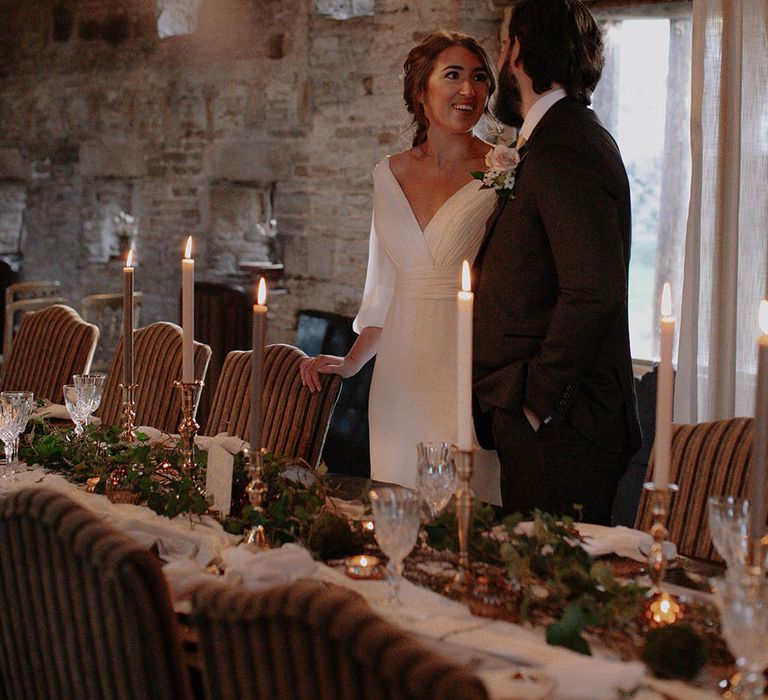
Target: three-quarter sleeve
point(379, 286)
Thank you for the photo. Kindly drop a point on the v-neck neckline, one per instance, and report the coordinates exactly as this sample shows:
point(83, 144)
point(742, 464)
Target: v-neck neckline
point(408, 203)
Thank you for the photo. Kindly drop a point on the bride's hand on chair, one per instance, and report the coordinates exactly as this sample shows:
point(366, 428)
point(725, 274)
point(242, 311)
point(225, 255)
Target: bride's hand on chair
point(311, 368)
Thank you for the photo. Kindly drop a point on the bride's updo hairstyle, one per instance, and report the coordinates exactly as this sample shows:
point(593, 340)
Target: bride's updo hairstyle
point(418, 67)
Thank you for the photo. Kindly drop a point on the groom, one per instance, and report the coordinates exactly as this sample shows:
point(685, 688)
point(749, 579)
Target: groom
point(553, 384)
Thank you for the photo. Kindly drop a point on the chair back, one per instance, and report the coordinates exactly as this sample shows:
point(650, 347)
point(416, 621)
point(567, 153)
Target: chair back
point(16, 310)
point(157, 353)
point(22, 292)
point(84, 611)
point(294, 419)
point(106, 312)
point(707, 459)
point(51, 346)
point(308, 640)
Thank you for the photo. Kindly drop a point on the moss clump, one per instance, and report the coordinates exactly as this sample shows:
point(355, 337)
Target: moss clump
point(675, 651)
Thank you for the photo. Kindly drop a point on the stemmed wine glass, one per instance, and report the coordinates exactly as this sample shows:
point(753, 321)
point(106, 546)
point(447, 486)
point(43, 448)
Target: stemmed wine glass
point(727, 517)
point(79, 402)
point(9, 432)
point(396, 517)
point(743, 604)
point(435, 476)
point(94, 383)
point(24, 402)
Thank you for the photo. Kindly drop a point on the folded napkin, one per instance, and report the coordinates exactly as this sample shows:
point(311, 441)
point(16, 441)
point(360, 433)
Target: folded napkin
point(600, 540)
point(221, 449)
point(269, 568)
point(52, 410)
point(623, 541)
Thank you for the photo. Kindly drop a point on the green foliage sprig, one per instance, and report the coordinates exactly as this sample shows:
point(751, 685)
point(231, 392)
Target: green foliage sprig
point(294, 510)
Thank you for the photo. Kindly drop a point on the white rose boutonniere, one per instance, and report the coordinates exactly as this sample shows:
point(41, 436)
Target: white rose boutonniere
point(502, 163)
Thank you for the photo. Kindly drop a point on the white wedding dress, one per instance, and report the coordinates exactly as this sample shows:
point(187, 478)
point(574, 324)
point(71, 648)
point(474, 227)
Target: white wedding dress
point(410, 292)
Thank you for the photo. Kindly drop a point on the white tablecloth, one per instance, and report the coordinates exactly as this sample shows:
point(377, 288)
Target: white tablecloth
point(514, 661)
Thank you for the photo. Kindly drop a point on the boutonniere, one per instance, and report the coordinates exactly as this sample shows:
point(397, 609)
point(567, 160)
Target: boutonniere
point(502, 162)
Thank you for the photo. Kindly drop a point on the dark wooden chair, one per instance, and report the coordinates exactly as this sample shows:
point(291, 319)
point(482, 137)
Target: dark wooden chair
point(307, 641)
point(84, 611)
point(347, 450)
point(223, 322)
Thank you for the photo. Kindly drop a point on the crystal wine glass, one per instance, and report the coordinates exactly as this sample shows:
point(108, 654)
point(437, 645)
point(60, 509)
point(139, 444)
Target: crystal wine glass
point(727, 517)
point(78, 401)
point(25, 402)
point(436, 475)
point(9, 432)
point(96, 383)
point(396, 517)
point(743, 604)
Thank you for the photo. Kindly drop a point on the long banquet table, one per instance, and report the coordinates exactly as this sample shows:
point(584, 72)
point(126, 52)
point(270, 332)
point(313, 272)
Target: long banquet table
point(513, 661)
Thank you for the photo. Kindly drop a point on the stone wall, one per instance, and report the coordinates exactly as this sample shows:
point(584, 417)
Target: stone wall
point(270, 108)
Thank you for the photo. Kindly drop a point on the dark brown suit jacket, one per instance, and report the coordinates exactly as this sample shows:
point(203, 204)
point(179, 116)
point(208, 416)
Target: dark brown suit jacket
point(550, 316)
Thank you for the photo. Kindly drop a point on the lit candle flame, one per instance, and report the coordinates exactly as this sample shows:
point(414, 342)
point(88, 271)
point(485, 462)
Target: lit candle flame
point(763, 317)
point(261, 295)
point(188, 249)
point(666, 301)
point(129, 259)
point(466, 284)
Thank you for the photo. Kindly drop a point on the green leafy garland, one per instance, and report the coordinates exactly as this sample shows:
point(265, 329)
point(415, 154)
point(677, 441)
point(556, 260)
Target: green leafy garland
point(152, 475)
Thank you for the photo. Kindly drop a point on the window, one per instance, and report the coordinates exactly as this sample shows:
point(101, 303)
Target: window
point(644, 101)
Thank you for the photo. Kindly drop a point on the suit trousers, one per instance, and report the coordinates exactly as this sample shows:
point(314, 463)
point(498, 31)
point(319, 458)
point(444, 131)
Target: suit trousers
point(554, 469)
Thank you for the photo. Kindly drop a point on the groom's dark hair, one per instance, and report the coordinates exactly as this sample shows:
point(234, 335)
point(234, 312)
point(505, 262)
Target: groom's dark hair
point(560, 42)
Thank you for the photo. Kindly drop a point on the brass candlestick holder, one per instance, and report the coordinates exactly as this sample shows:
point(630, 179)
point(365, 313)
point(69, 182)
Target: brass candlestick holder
point(661, 497)
point(257, 492)
point(464, 468)
point(127, 422)
point(190, 396)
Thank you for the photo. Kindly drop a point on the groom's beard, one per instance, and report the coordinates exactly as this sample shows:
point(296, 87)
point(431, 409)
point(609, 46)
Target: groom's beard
point(508, 107)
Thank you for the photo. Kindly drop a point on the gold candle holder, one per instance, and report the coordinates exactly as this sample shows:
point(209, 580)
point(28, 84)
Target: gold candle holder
point(190, 396)
point(657, 558)
point(127, 422)
point(257, 492)
point(464, 468)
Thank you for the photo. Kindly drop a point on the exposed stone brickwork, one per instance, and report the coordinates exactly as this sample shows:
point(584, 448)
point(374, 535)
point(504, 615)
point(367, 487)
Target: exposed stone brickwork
point(270, 108)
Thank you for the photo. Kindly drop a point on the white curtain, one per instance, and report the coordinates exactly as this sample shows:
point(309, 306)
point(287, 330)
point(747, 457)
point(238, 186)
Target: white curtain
point(726, 252)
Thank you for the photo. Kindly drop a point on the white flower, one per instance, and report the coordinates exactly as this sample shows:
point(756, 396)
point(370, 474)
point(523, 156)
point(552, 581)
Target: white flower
point(502, 163)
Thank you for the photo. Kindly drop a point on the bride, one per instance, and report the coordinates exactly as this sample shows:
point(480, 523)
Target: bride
point(428, 216)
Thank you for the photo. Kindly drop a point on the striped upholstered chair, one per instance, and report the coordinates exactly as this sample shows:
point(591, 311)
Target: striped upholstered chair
point(295, 420)
point(308, 640)
point(50, 346)
point(84, 611)
point(708, 459)
point(157, 353)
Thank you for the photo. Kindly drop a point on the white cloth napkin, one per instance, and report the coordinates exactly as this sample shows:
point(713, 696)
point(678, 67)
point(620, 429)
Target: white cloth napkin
point(600, 540)
point(52, 410)
point(269, 568)
point(221, 450)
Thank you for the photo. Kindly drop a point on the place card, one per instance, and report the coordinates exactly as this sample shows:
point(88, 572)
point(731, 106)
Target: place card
point(218, 478)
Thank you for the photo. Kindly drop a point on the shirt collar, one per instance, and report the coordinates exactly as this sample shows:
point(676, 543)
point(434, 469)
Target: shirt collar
point(538, 110)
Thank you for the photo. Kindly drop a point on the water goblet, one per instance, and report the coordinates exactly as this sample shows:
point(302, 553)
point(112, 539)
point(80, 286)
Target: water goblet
point(94, 383)
point(25, 401)
point(743, 604)
point(78, 401)
point(9, 431)
point(436, 475)
point(396, 517)
point(727, 517)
